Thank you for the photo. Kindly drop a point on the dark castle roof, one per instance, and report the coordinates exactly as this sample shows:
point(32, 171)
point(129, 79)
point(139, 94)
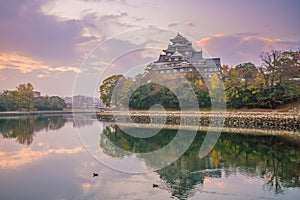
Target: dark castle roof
point(181, 48)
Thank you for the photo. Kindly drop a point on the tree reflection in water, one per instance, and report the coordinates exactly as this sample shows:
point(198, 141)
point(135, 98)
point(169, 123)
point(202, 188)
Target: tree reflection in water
point(274, 159)
point(24, 128)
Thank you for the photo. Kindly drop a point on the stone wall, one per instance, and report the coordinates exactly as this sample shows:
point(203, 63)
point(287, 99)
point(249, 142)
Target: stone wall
point(249, 120)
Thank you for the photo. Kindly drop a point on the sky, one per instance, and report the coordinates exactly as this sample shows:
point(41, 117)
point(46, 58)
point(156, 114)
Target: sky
point(66, 47)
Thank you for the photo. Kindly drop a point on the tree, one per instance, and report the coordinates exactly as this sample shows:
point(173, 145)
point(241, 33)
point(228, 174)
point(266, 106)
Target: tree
point(278, 70)
point(10, 100)
point(247, 72)
point(107, 87)
point(22, 99)
point(25, 97)
point(233, 89)
point(49, 103)
point(270, 66)
point(42, 103)
point(224, 70)
point(3, 103)
point(57, 103)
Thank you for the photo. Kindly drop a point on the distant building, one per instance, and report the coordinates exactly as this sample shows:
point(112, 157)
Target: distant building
point(80, 101)
point(68, 101)
point(36, 94)
point(181, 57)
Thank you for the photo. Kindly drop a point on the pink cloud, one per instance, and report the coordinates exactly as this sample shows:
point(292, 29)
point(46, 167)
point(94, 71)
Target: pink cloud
point(27, 64)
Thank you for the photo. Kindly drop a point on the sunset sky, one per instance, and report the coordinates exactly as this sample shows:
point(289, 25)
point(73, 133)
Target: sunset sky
point(45, 42)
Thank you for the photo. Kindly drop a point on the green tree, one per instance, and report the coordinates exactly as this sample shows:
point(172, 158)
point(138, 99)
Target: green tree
point(3, 103)
point(247, 72)
point(42, 103)
point(233, 89)
point(57, 103)
point(2, 106)
point(25, 97)
point(10, 100)
point(107, 87)
point(49, 103)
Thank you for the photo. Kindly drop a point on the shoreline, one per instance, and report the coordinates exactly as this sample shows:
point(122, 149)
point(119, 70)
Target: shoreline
point(269, 123)
point(49, 112)
point(253, 123)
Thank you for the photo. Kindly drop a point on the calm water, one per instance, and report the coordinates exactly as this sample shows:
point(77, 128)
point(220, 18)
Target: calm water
point(43, 158)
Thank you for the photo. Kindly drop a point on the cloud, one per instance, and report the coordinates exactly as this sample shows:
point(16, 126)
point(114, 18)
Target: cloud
point(153, 54)
point(238, 48)
point(86, 185)
point(97, 27)
point(128, 3)
point(65, 69)
point(107, 25)
point(22, 63)
point(27, 155)
point(25, 28)
point(27, 64)
point(184, 23)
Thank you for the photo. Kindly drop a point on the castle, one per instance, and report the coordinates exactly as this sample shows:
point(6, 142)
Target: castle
point(181, 57)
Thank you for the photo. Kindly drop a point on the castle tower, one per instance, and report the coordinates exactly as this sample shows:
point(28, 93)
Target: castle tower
point(181, 57)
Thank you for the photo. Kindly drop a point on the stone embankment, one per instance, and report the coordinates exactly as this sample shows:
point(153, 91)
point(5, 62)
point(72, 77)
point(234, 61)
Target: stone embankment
point(245, 120)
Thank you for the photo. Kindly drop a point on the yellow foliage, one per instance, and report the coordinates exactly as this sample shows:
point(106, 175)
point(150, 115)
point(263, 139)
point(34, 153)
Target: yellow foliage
point(215, 157)
point(200, 82)
point(215, 81)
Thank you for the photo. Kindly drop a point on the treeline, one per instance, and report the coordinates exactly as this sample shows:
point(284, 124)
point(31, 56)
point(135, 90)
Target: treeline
point(152, 93)
point(22, 99)
point(274, 83)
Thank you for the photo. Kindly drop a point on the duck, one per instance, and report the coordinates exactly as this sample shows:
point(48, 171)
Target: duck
point(95, 174)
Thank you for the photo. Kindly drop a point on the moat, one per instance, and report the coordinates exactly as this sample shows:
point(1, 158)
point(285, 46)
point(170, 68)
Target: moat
point(42, 157)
